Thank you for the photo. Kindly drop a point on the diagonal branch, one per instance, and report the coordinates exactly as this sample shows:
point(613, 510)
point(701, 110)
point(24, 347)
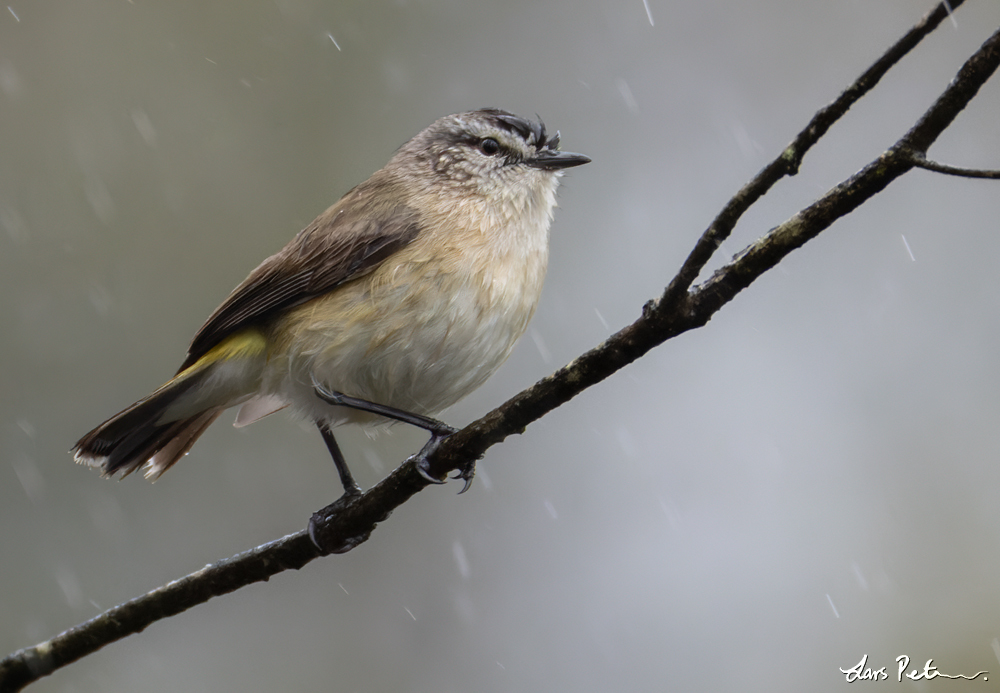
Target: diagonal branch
point(679, 309)
point(787, 163)
point(673, 314)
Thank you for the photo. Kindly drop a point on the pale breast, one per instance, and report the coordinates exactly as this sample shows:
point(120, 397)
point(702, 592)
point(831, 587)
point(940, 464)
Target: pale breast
point(416, 335)
point(430, 325)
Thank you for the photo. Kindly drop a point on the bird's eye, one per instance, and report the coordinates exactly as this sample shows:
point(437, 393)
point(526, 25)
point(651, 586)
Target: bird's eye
point(489, 146)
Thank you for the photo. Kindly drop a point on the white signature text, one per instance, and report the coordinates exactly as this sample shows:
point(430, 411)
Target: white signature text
point(862, 672)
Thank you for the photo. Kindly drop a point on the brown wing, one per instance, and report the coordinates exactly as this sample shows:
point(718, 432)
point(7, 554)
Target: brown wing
point(347, 241)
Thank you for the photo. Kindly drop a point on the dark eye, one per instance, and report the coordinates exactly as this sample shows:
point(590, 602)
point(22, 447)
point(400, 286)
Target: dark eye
point(489, 146)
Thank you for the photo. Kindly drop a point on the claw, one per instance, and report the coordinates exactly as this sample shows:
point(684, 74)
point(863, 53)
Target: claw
point(468, 482)
point(466, 473)
point(320, 518)
point(424, 472)
point(429, 447)
point(421, 457)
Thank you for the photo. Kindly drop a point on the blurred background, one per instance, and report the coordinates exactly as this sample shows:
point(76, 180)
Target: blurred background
point(755, 505)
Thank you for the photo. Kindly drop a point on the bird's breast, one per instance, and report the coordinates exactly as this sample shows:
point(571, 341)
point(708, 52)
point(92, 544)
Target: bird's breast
point(421, 332)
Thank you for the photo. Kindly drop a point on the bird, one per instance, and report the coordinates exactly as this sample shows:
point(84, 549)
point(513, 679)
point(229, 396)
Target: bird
point(392, 305)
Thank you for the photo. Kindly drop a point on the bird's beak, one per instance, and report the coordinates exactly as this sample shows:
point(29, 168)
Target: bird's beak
point(552, 160)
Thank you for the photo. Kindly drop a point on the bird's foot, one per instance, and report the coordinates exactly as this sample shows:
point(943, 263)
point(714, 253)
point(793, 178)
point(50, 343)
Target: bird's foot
point(327, 534)
point(466, 472)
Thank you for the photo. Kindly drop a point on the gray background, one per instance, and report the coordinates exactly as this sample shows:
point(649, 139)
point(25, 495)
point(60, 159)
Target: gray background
point(810, 478)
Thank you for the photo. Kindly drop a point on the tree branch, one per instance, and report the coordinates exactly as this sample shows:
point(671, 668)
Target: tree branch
point(787, 163)
point(919, 161)
point(678, 310)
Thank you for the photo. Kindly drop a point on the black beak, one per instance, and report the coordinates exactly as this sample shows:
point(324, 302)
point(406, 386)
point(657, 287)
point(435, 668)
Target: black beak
point(552, 160)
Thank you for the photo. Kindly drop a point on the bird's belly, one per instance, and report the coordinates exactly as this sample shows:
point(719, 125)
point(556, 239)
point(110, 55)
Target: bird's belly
point(420, 351)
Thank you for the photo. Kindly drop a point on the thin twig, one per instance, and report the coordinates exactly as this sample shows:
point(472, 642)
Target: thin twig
point(921, 162)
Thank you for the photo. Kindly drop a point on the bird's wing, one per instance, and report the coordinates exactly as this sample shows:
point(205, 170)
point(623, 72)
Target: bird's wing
point(347, 241)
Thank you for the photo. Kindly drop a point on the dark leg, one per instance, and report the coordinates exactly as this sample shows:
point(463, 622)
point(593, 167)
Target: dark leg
point(323, 531)
point(438, 429)
point(433, 426)
point(351, 487)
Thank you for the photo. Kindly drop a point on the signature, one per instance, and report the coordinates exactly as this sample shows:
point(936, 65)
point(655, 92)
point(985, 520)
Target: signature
point(861, 672)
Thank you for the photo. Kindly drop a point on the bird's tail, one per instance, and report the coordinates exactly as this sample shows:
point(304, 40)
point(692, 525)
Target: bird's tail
point(161, 428)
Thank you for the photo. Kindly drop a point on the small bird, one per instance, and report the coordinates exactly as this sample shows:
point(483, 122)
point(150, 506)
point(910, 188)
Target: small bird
point(394, 304)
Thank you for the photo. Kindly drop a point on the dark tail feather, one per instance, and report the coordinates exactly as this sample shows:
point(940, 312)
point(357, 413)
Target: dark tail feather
point(136, 436)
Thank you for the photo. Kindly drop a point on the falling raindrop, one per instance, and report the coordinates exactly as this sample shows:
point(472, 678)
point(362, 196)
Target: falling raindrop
point(30, 476)
point(907, 244)
point(144, 125)
point(835, 613)
point(626, 93)
point(551, 509)
point(604, 323)
point(460, 560)
point(649, 13)
point(543, 350)
point(71, 588)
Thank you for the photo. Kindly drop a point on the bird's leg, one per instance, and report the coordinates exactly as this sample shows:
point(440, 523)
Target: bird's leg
point(320, 520)
point(433, 426)
point(438, 429)
point(351, 487)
